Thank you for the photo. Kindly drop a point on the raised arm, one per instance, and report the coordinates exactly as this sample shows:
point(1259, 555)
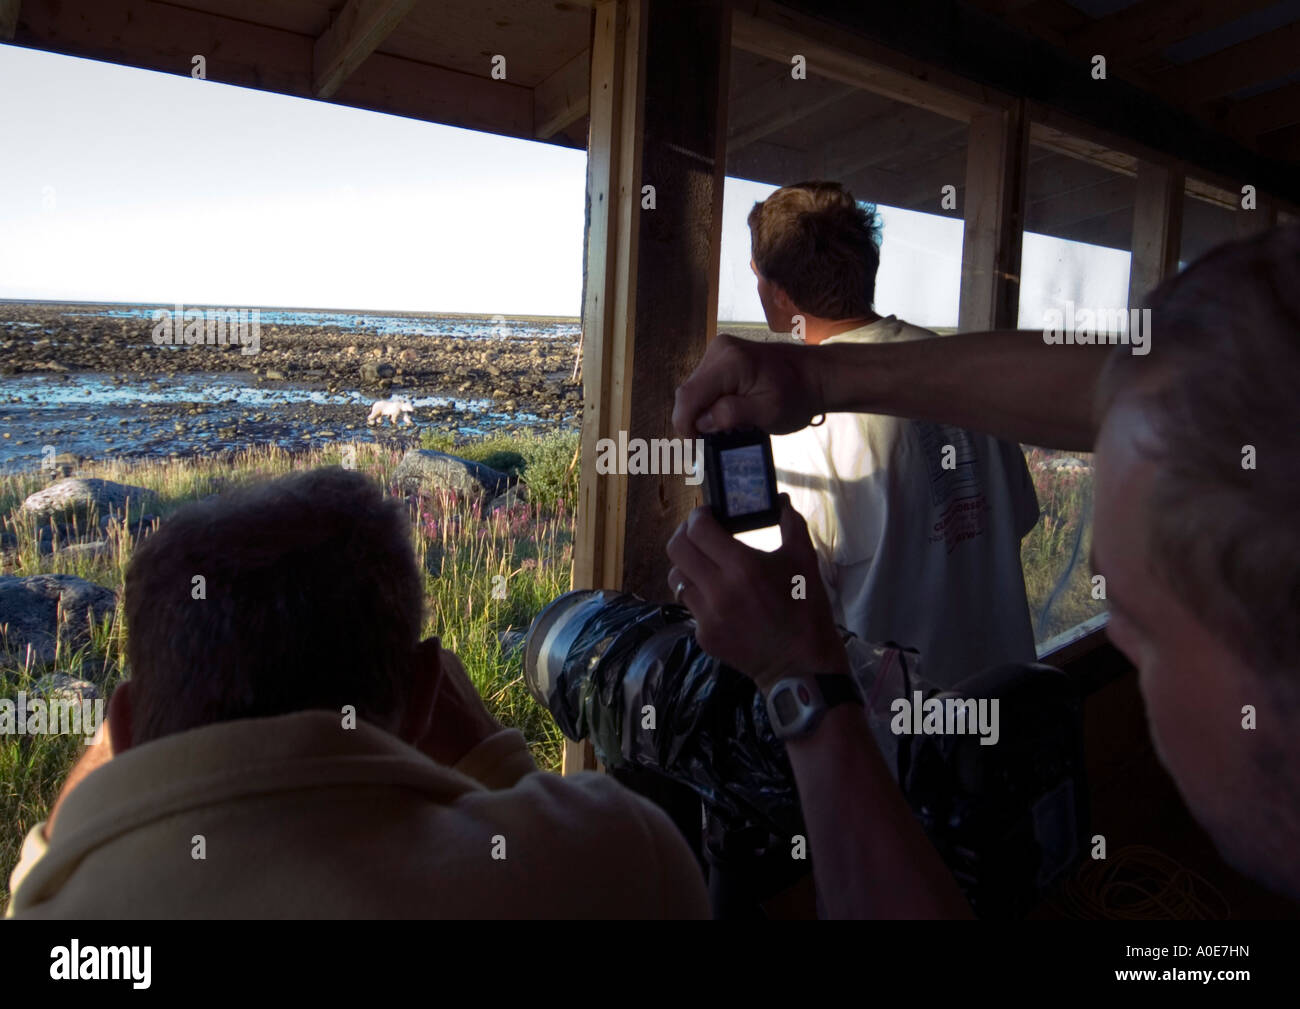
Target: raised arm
point(1007, 383)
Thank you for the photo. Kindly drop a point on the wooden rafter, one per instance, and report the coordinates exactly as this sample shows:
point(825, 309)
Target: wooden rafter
point(777, 37)
point(1268, 111)
point(562, 98)
point(1061, 211)
point(873, 142)
point(1150, 25)
point(358, 31)
point(756, 127)
point(8, 18)
point(1266, 57)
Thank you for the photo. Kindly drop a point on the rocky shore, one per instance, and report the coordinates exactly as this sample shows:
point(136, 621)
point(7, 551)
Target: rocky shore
point(521, 372)
point(92, 380)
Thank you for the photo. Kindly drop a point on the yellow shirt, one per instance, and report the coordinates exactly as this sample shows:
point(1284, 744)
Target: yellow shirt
point(297, 817)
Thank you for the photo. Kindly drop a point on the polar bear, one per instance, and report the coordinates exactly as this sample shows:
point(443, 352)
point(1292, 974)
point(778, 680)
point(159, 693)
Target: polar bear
point(392, 409)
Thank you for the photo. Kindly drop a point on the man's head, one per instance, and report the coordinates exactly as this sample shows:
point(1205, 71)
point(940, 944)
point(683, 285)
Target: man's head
point(295, 594)
point(1196, 531)
point(815, 252)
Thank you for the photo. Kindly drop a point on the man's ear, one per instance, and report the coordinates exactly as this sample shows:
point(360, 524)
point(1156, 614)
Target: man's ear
point(120, 726)
point(783, 301)
point(426, 673)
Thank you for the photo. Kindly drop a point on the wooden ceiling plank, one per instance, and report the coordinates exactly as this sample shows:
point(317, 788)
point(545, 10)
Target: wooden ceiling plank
point(1264, 58)
point(1269, 111)
point(563, 98)
point(1067, 210)
point(883, 72)
point(358, 31)
point(1152, 25)
point(778, 119)
point(875, 141)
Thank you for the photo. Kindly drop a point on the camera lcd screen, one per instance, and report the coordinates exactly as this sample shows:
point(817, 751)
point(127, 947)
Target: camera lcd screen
point(744, 480)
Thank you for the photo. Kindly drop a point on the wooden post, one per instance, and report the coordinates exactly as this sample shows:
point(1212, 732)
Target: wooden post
point(8, 19)
point(652, 271)
point(997, 162)
point(683, 158)
point(1252, 222)
point(1157, 227)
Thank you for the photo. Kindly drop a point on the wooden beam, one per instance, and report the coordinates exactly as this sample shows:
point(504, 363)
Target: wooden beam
point(162, 37)
point(1079, 140)
point(996, 168)
point(683, 157)
point(608, 315)
point(775, 164)
point(1058, 214)
point(777, 37)
point(651, 271)
point(959, 40)
point(1054, 175)
point(899, 132)
point(923, 183)
point(563, 98)
point(8, 18)
point(1113, 230)
point(1151, 25)
point(616, 103)
point(1157, 228)
point(770, 120)
point(359, 29)
point(1264, 58)
point(1208, 192)
point(1266, 112)
point(1252, 222)
point(1065, 134)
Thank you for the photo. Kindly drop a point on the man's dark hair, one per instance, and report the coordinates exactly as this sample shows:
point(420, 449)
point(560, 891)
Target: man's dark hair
point(313, 599)
point(821, 246)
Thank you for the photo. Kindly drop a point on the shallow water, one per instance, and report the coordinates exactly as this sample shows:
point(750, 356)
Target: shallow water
point(469, 327)
point(96, 415)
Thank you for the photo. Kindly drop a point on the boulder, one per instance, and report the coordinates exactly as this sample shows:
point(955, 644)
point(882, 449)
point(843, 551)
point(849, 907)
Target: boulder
point(30, 608)
point(423, 469)
point(62, 687)
point(374, 371)
point(515, 494)
point(93, 549)
point(80, 495)
point(1068, 463)
point(511, 641)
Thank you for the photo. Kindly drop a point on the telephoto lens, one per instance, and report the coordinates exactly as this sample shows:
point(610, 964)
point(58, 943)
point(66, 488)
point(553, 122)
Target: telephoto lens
point(1009, 819)
point(630, 676)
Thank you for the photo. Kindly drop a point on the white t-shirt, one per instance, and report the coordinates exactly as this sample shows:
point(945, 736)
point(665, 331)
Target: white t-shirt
point(917, 528)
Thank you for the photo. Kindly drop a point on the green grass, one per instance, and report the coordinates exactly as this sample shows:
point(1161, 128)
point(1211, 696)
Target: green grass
point(524, 552)
point(1054, 555)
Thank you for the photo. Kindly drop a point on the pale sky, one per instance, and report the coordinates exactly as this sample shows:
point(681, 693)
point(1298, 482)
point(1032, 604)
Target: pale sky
point(119, 184)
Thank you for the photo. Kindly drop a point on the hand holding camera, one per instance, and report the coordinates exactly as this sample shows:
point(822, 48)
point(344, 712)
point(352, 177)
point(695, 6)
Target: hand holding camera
point(765, 614)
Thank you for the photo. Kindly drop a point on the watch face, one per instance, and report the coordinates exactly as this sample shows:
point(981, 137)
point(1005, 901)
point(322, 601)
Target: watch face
point(786, 708)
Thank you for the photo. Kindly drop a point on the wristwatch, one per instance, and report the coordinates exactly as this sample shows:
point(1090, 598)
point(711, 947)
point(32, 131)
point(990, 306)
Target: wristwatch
point(797, 703)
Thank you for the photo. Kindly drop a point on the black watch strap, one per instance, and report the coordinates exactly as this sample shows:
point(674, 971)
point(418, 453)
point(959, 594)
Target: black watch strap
point(838, 688)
